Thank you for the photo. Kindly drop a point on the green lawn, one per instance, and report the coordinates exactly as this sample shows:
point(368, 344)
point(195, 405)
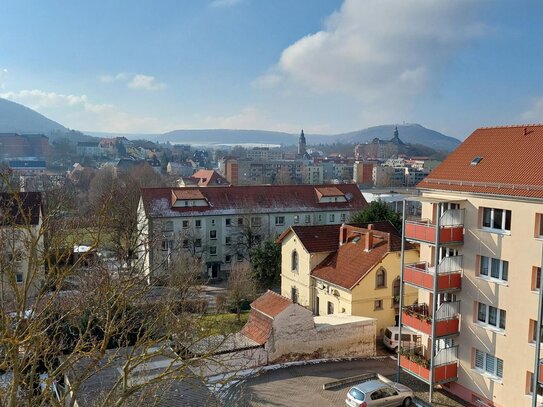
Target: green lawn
point(224, 323)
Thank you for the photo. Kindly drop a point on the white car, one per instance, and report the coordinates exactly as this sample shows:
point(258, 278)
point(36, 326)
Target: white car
point(379, 392)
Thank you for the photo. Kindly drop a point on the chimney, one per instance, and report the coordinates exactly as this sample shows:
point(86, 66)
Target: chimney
point(342, 234)
point(369, 241)
point(370, 226)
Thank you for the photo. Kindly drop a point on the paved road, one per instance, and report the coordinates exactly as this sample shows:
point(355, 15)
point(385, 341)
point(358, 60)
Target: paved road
point(302, 385)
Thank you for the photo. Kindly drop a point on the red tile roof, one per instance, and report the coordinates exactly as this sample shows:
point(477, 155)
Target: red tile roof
point(351, 263)
point(241, 199)
point(209, 178)
point(186, 194)
point(263, 310)
point(328, 191)
point(510, 164)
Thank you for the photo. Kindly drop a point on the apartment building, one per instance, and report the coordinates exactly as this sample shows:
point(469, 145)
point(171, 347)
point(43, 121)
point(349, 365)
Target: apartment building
point(481, 241)
point(346, 270)
point(221, 224)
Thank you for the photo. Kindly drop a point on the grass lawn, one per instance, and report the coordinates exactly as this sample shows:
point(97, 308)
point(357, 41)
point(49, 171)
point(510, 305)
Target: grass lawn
point(224, 323)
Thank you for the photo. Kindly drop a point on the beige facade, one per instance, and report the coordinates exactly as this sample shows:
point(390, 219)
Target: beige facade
point(511, 347)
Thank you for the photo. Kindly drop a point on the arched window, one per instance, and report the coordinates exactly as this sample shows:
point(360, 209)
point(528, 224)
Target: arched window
point(294, 260)
point(396, 291)
point(380, 278)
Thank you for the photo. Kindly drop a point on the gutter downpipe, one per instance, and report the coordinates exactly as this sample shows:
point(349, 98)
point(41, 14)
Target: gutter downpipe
point(401, 291)
point(434, 299)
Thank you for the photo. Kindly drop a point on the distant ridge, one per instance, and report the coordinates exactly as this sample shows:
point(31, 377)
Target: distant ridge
point(16, 118)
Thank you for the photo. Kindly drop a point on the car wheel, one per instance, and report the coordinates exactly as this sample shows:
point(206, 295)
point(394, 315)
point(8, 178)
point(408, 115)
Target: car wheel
point(406, 402)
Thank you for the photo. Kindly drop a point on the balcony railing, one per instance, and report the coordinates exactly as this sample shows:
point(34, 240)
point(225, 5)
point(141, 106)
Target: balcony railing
point(447, 323)
point(448, 274)
point(451, 228)
point(445, 365)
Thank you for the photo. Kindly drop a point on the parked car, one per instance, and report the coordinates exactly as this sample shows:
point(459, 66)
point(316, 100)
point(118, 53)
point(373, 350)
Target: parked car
point(410, 338)
point(380, 392)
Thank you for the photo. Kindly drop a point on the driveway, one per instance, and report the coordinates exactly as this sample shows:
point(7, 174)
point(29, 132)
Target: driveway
point(302, 385)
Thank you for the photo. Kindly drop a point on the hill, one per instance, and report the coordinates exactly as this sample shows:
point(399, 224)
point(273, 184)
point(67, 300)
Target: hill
point(409, 133)
point(16, 118)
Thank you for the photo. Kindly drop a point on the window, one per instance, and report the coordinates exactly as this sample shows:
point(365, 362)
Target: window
point(332, 218)
point(18, 278)
point(167, 245)
point(380, 278)
point(497, 219)
point(493, 268)
point(228, 240)
point(240, 221)
point(213, 250)
point(168, 226)
point(212, 222)
point(185, 224)
point(532, 331)
point(198, 223)
point(228, 222)
point(378, 304)
point(476, 160)
point(228, 258)
point(198, 243)
point(307, 218)
point(490, 315)
point(279, 220)
point(342, 217)
point(294, 294)
point(488, 364)
point(536, 278)
point(239, 257)
point(185, 243)
point(294, 261)
point(320, 217)
point(256, 221)
point(213, 234)
point(330, 308)
point(530, 385)
point(296, 218)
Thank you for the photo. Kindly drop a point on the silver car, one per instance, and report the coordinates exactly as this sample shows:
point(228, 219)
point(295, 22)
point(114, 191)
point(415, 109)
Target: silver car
point(382, 393)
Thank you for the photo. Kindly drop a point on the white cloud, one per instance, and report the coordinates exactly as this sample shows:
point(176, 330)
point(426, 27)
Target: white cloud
point(224, 3)
point(535, 113)
point(146, 82)
point(3, 76)
point(378, 50)
point(134, 81)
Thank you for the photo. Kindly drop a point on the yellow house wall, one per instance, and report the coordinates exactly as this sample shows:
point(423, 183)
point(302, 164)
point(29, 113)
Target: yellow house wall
point(523, 251)
point(365, 293)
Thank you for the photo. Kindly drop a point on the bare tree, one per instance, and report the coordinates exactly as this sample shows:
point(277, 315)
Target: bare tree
point(240, 287)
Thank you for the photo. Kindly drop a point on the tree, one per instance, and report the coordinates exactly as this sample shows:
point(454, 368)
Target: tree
point(266, 264)
point(377, 211)
point(240, 287)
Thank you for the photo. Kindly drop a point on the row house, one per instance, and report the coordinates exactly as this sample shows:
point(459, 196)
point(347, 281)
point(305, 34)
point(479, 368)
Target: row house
point(220, 224)
point(346, 270)
point(479, 274)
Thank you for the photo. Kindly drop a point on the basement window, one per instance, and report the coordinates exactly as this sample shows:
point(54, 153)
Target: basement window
point(476, 160)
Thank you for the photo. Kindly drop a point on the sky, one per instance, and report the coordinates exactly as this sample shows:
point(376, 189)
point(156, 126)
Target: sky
point(327, 66)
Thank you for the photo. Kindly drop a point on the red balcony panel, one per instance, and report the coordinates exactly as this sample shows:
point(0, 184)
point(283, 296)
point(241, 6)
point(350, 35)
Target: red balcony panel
point(541, 371)
point(426, 232)
point(442, 373)
point(449, 281)
point(451, 234)
point(443, 327)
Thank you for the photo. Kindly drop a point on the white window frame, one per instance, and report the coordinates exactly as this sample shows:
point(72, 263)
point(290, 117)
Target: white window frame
point(212, 250)
point(501, 265)
point(228, 222)
point(343, 217)
point(279, 220)
point(492, 214)
point(186, 224)
point(482, 362)
point(296, 218)
point(487, 312)
point(198, 223)
point(19, 278)
point(331, 217)
point(307, 218)
point(210, 234)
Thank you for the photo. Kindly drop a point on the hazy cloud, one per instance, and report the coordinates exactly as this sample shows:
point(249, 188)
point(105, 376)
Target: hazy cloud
point(535, 113)
point(224, 3)
point(378, 50)
point(134, 81)
point(3, 76)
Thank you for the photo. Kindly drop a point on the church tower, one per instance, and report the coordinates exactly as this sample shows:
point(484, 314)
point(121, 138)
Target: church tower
point(302, 151)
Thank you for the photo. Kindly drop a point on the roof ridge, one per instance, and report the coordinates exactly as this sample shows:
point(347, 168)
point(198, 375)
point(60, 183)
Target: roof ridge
point(509, 126)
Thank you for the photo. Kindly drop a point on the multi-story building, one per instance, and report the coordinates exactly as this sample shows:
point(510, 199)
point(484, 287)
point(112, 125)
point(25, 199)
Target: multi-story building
point(23, 145)
point(220, 224)
point(264, 153)
point(89, 149)
point(346, 269)
point(479, 278)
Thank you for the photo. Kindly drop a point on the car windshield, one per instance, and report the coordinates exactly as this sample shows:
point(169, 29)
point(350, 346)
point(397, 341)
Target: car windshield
point(357, 394)
point(388, 334)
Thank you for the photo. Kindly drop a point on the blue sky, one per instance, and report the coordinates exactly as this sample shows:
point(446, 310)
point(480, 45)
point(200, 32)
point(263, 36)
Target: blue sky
point(323, 65)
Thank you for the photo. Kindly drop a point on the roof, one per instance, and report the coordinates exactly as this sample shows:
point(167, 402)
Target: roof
point(187, 194)
point(209, 177)
point(510, 163)
point(253, 198)
point(328, 191)
point(350, 263)
point(263, 310)
point(88, 144)
point(27, 164)
point(20, 208)
point(325, 238)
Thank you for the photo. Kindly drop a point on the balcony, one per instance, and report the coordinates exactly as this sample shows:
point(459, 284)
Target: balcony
point(449, 274)
point(451, 230)
point(418, 318)
point(445, 365)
